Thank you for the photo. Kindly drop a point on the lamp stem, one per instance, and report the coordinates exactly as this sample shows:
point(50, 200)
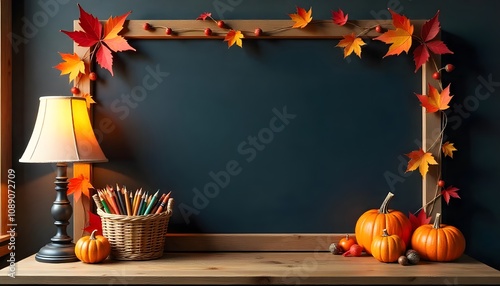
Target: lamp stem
point(61, 249)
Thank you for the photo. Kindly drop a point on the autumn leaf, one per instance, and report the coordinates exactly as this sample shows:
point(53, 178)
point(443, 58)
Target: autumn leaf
point(301, 18)
point(450, 192)
point(78, 186)
point(94, 223)
point(448, 149)
point(419, 220)
point(430, 30)
point(421, 160)
point(339, 18)
point(351, 43)
point(234, 37)
point(72, 65)
point(105, 39)
point(203, 16)
point(89, 99)
point(400, 38)
point(435, 100)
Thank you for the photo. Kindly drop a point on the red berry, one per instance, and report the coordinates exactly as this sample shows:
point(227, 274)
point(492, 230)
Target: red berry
point(258, 32)
point(75, 90)
point(441, 183)
point(208, 32)
point(92, 76)
point(449, 67)
point(146, 26)
point(436, 75)
point(221, 24)
point(378, 29)
point(168, 31)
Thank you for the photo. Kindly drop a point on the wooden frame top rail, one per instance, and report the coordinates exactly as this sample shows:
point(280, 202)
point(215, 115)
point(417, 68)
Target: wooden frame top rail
point(271, 30)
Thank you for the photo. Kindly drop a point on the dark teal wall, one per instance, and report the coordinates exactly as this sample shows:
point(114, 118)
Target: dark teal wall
point(474, 123)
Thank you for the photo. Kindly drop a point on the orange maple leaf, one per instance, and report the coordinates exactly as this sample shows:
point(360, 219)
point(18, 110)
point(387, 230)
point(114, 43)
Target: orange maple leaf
point(448, 149)
point(435, 100)
point(72, 65)
point(351, 43)
point(400, 38)
point(234, 37)
point(79, 185)
point(421, 160)
point(89, 99)
point(301, 18)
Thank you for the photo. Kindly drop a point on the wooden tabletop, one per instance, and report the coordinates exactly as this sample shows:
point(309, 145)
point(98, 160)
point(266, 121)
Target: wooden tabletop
point(205, 268)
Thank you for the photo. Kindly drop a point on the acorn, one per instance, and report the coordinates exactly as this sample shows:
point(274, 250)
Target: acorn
point(413, 256)
point(335, 249)
point(403, 260)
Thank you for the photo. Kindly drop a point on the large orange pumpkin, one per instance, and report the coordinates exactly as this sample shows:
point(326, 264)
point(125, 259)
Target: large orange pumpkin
point(438, 242)
point(387, 247)
point(374, 221)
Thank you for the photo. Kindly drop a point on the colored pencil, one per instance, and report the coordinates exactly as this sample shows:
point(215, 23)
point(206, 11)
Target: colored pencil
point(163, 203)
point(151, 203)
point(127, 201)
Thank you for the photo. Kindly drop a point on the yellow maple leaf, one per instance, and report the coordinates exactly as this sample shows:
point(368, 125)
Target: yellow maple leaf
point(351, 43)
point(89, 99)
point(400, 38)
point(72, 65)
point(234, 37)
point(421, 160)
point(301, 18)
point(448, 149)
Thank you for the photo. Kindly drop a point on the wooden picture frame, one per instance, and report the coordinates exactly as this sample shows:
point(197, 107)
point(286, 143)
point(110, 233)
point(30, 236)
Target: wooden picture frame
point(272, 29)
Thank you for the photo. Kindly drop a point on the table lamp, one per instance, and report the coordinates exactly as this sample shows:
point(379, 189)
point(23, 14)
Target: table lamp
point(62, 134)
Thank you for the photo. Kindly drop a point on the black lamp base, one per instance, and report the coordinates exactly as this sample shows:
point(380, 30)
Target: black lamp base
point(56, 253)
point(61, 249)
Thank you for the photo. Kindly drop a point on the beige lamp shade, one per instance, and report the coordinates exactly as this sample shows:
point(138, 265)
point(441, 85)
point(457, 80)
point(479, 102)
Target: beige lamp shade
point(63, 133)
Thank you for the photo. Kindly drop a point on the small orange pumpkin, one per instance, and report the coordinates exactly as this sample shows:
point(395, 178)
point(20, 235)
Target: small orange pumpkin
point(387, 248)
point(346, 242)
point(438, 242)
point(374, 221)
point(93, 248)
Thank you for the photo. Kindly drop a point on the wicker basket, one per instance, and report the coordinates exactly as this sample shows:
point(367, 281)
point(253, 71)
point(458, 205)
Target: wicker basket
point(136, 237)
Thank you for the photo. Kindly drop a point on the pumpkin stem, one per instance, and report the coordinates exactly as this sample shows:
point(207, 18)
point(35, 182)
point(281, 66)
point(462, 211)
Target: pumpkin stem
point(92, 235)
point(384, 208)
point(437, 221)
point(385, 233)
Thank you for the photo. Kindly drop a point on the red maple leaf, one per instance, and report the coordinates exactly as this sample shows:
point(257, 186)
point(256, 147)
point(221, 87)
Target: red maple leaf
point(339, 18)
point(105, 39)
point(430, 30)
point(450, 192)
point(204, 16)
point(419, 220)
point(94, 223)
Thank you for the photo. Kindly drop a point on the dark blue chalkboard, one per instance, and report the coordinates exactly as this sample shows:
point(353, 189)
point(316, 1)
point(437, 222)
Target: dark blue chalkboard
point(278, 136)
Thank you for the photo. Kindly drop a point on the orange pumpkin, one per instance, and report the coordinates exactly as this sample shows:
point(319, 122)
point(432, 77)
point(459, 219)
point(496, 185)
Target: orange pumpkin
point(438, 242)
point(387, 248)
point(93, 248)
point(346, 242)
point(374, 221)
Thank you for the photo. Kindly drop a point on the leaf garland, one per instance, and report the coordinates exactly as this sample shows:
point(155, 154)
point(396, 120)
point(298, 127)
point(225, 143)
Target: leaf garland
point(104, 40)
